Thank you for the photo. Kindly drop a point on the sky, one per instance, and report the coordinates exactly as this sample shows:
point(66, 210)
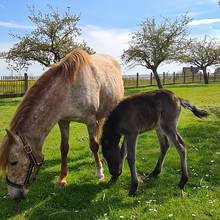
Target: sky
point(107, 24)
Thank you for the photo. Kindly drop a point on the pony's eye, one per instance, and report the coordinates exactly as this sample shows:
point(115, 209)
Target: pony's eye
point(14, 163)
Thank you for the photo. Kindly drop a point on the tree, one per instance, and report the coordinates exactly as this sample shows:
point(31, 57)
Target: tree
point(155, 43)
point(53, 36)
point(202, 53)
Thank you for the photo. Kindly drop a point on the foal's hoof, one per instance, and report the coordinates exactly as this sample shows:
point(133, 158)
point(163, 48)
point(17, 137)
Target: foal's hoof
point(132, 193)
point(154, 173)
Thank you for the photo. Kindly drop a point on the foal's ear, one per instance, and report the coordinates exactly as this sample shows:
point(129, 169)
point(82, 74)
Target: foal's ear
point(12, 136)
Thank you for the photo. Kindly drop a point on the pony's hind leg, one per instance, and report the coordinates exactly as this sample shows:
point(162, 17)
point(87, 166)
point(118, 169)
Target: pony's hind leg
point(180, 146)
point(64, 148)
point(164, 145)
point(94, 146)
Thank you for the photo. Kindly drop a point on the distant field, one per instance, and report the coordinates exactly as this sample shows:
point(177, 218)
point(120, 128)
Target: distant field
point(86, 198)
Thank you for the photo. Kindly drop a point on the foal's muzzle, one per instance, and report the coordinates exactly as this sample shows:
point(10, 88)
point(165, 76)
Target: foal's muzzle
point(115, 173)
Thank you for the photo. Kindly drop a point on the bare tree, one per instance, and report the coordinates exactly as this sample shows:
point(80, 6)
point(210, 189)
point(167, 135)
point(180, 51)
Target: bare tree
point(53, 36)
point(155, 43)
point(202, 53)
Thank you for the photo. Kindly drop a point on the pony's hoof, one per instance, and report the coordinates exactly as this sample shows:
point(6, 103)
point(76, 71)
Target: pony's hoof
point(100, 176)
point(61, 184)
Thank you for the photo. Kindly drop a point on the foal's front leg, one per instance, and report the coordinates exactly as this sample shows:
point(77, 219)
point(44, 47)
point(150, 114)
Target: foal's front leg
point(64, 148)
point(94, 146)
point(131, 155)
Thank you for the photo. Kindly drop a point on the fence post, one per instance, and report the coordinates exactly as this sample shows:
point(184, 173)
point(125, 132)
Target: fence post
point(25, 82)
point(208, 76)
point(214, 76)
point(193, 75)
point(200, 77)
point(184, 77)
point(137, 82)
point(174, 77)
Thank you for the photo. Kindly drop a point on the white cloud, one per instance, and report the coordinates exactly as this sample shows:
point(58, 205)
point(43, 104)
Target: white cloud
point(204, 21)
point(8, 24)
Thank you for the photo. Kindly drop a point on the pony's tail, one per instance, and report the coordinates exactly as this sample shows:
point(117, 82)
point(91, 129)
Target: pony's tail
point(200, 113)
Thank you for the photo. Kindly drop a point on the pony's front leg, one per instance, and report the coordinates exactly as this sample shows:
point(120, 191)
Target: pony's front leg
point(94, 146)
point(64, 148)
point(131, 155)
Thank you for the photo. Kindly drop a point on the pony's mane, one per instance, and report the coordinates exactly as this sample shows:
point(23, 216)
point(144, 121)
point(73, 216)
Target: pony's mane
point(73, 63)
point(68, 68)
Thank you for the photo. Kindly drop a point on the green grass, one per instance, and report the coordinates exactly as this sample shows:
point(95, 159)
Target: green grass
point(86, 198)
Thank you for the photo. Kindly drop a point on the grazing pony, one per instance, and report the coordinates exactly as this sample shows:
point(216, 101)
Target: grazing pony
point(157, 110)
point(82, 88)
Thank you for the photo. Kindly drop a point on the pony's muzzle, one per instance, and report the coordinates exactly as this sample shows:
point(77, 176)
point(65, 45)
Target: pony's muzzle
point(17, 193)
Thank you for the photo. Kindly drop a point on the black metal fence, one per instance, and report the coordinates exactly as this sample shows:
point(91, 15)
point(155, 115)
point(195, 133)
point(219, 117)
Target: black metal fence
point(13, 86)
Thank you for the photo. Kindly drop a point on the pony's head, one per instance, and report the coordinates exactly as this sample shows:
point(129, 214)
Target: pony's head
point(113, 154)
point(19, 163)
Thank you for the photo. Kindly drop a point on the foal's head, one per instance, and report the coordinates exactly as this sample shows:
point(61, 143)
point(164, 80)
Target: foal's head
point(20, 164)
point(113, 154)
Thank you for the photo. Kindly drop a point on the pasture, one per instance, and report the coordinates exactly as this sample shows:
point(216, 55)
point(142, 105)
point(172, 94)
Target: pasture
point(159, 198)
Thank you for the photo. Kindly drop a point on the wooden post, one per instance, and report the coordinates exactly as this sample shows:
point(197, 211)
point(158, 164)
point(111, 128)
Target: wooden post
point(200, 77)
point(193, 76)
point(214, 76)
point(174, 75)
point(163, 78)
point(25, 82)
point(184, 77)
point(137, 82)
point(208, 76)
point(151, 78)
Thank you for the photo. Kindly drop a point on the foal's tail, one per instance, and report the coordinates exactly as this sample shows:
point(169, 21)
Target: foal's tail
point(200, 113)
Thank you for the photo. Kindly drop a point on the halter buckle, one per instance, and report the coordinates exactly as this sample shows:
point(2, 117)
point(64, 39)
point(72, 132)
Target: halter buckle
point(27, 148)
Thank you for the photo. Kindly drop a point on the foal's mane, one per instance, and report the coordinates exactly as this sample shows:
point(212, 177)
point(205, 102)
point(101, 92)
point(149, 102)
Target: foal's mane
point(68, 68)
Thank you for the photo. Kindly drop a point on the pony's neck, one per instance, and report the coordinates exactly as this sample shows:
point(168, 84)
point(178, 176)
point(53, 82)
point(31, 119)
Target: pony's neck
point(43, 115)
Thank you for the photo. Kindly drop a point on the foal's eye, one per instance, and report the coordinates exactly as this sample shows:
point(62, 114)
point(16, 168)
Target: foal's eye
point(14, 163)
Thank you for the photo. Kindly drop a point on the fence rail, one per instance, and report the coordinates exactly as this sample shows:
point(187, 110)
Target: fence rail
point(13, 86)
point(138, 80)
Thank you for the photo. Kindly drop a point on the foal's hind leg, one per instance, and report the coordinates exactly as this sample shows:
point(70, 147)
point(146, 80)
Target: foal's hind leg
point(94, 146)
point(64, 148)
point(164, 145)
point(180, 146)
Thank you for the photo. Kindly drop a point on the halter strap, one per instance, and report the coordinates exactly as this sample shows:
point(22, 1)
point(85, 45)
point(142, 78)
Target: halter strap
point(33, 163)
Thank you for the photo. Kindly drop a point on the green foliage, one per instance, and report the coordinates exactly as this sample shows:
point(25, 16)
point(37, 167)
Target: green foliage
point(155, 43)
point(53, 36)
point(159, 198)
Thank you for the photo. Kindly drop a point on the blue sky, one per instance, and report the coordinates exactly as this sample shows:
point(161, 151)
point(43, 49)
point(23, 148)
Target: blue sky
point(106, 24)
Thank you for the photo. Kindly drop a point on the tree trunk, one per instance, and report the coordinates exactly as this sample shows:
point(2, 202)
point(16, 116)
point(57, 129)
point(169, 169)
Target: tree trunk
point(205, 76)
point(159, 84)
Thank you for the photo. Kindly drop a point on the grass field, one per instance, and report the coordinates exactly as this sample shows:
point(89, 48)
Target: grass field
point(87, 198)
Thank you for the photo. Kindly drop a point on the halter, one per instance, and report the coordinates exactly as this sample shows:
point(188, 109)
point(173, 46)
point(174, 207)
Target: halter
point(33, 163)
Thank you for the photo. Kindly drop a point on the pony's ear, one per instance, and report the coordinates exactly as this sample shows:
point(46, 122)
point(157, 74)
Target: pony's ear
point(11, 136)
